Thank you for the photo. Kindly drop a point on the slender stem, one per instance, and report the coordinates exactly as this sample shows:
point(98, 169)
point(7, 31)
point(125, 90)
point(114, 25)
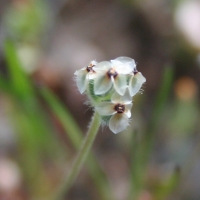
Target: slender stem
point(70, 177)
point(76, 137)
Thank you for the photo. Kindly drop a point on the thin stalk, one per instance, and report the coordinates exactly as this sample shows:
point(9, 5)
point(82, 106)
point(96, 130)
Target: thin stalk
point(76, 137)
point(70, 177)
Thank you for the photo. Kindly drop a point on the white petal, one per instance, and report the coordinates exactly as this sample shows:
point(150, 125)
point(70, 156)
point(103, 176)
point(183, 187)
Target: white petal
point(122, 68)
point(81, 80)
point(92, 75)
point(77, 72)
point(116, 62)
point(118, 122)
point(128, 110)
point(116, 98)
point(128, 113)
point(128, 107)
point(120, 84)
point(127, 60)
point(125, 99)
point(102, 84)
point(136, 83)
point(105, 108)
point(102, 67)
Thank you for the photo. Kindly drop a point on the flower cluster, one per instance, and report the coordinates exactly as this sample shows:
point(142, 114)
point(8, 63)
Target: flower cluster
point(110, 87)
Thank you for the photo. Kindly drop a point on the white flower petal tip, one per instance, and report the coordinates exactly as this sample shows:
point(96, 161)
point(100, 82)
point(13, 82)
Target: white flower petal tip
point(136, 83)
point(128, 113)
point(141, 77)
point(126, 60)
point(128, 110)
point(118, 123)
point(125, 99)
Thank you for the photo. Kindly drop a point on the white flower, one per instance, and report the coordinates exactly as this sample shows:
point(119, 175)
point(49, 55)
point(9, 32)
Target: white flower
point(83, 75)
point(113, 74)
point(119, 108)
point(136, 82)
point(137, 79)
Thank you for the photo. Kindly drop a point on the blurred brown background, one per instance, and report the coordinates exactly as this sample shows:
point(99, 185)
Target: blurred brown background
point(66, 36)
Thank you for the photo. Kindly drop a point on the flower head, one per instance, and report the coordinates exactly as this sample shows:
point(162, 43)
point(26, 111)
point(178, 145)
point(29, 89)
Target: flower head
point(110, 87)
point(83, 75)
point(119, 110)
point(113, 73)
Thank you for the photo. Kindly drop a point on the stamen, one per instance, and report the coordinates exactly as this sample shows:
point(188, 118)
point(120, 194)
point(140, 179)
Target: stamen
point(112, 72)
point(89, 68)
point(135, 71)
point(120, 108)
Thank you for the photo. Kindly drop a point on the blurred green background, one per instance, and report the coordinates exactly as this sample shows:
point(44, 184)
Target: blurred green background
point(43, 118)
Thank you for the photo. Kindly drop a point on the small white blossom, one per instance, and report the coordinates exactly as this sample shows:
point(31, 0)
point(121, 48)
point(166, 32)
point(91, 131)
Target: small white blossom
point(113, 73)
point(137, 79)
point(83, 75)
point(119, 109)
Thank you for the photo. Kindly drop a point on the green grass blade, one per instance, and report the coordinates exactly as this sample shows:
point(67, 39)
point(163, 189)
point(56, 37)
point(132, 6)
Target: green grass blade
point(4, 84)
point(69, 124)
point(19, 80)
point(29, 119)
point(24, 94)
point(28, 146)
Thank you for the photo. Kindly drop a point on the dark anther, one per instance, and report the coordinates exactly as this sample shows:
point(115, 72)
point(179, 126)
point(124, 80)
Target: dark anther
point(112, 72)
point(89, 68)
point(135, 71)
point(120, 108)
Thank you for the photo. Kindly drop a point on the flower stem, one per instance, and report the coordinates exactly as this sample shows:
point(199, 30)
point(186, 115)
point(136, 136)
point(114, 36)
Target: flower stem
point(70, 177)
